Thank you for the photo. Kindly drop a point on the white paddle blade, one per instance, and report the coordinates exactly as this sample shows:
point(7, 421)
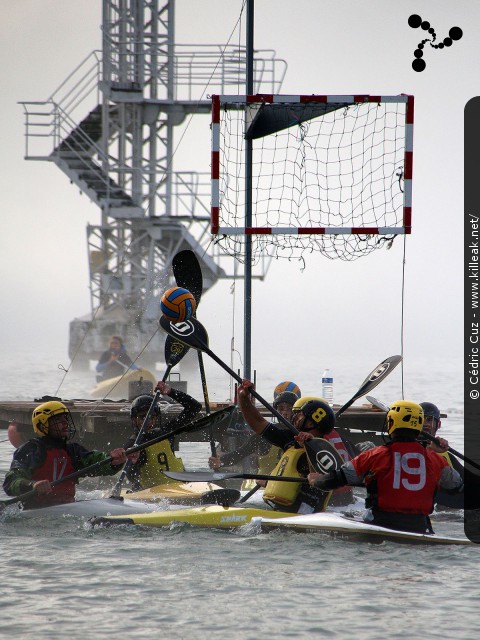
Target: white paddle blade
point(377, 403)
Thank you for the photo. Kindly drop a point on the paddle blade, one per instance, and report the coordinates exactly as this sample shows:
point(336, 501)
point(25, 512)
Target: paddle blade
point(223, 497)
point(214, 476)
point(174, 351)
point(322, 455)
point(378, 404)
point(381, 371)
point(372, 380)
point(199, 476)
point(216, 418)
point(190, 332)
point(187, 273)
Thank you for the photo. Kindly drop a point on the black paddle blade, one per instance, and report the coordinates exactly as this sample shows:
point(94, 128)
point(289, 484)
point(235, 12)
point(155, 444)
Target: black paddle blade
point(381, 372)
point(174, 351)
point(216, 418)
point(222, 497)
point(372, 380)
point(188, 274)
point(190, 332)
point(215, 476)
point(322, 455)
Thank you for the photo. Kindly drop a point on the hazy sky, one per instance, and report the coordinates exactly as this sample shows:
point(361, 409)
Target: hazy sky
point(331, 313)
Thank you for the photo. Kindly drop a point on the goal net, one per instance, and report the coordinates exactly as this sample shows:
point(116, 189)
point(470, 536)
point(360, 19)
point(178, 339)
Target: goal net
point(327, 173)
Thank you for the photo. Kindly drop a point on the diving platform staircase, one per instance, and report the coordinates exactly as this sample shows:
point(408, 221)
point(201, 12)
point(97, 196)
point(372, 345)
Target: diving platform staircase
point(111, 127)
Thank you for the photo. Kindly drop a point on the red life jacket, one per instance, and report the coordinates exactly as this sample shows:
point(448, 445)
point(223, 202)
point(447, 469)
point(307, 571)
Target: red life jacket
point(57, 464)
point(406, 476)
point(335, 438)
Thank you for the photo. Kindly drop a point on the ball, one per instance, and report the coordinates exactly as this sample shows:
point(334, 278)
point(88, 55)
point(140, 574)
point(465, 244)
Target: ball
point(177, 304)
point(286, 386)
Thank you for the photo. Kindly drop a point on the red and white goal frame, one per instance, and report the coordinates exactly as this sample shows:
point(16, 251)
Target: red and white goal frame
point(395, 149)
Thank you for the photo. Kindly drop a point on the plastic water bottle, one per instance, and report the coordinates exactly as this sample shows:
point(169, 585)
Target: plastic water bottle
point(327, 386)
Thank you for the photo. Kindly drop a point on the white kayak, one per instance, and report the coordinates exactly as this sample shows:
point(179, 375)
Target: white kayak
point(117, 388)
point(83, 508)
point(342, 527)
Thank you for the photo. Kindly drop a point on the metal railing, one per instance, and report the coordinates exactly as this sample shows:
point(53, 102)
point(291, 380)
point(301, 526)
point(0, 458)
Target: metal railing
point(217, 68)
point(53, 127)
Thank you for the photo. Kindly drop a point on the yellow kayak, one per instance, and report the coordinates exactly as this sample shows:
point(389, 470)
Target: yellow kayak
point(117, 388)
point(332, 525)
point(209, 516)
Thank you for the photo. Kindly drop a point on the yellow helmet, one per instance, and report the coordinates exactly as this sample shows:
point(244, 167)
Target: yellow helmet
point(43, 413)
point(301, 402)
point(318, 410)
point(404, 414)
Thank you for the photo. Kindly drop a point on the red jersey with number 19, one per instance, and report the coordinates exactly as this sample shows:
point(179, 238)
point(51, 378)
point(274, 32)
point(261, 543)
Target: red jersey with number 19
point(406, 475)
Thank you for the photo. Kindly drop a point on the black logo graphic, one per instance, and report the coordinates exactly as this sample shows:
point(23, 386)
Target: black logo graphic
point(416, 21)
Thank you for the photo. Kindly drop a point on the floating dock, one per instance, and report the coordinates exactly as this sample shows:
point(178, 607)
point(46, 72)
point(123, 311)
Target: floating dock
point(104, 424)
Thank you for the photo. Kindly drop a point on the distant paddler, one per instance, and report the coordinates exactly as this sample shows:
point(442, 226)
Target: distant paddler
point(50, 456)
point(114, 361)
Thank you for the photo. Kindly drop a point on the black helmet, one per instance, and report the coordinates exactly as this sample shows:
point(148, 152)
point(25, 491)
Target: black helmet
point(318, 410)
point(288, 397)
point(430, 409)
point(141, 404)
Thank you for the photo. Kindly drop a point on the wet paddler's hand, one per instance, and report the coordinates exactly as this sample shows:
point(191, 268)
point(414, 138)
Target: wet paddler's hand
point(164, 388)
point(118, 457)
point(42, 487)
point(133, 457)
point(303, 436)
point(441, 447)
point(214, 462)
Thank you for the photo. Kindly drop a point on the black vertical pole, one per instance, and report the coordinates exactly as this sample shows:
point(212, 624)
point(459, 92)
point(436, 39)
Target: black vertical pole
point(247, 341)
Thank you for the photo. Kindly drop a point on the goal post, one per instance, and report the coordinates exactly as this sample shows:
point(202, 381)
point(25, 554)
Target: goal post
point(329, 173)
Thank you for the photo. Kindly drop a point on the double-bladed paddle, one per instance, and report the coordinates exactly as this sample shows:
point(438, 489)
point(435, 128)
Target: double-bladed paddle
point(321, 454)
point(194, 335)
point(215, 476)
point(198, 425)
point(188, 274)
